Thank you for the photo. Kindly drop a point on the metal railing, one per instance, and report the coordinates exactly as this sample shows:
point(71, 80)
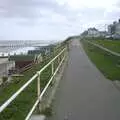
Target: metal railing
point(103, 48)
point(61, 56)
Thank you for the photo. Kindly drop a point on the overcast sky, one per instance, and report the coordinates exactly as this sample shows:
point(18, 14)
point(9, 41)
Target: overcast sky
point(54, 19)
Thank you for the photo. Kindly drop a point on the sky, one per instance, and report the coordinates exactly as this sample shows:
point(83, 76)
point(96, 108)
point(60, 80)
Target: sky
point(54, 19)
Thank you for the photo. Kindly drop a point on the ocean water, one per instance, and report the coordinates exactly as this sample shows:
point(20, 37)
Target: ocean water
point(19, 47)
point(17, 51)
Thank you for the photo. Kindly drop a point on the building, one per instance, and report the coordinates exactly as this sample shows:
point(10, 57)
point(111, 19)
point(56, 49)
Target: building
point(117, 28)
point(5, 66)
point(93, 32)
point(45, 50)
point(114, 29)
point(110, 29)
point(103, 33)
point(21, 61)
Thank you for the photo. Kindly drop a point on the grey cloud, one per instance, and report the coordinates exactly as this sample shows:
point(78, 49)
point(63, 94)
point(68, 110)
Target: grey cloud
point(19, 8)
point(30, 16)
point(114, 15)
point(92, 14)
point(27, 8)
point(117, 4)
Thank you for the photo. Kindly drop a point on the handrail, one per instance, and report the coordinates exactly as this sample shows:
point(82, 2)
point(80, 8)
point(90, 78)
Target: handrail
point(5, 104)
point(13, 97)
point(52, 60)
point(44, 90)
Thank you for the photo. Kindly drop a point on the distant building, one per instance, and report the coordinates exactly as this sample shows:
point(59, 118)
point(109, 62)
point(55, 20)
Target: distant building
point(32, 57)
point(93, 32)
point(117, 28)
point(5, 66)
point(45, 50)
point(103, 33)
point(114, 29)
point(22, 60)
point(110, 29)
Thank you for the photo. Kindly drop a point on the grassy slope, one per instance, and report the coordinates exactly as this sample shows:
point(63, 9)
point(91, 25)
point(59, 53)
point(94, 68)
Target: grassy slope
point(20, 107)
point(24, 102)
point(110, 44)
point(105, 62)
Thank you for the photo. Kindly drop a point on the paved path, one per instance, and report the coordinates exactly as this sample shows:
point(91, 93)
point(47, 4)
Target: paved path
point(105, 49)
point(84, 93)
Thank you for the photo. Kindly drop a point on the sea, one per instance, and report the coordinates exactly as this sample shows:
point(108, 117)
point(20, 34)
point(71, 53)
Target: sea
point(11, 47)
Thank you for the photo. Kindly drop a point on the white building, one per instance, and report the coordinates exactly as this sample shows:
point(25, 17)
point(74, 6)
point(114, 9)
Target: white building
point(93, 32)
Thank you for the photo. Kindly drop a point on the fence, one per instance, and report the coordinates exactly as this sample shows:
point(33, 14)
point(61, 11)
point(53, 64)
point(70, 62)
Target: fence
point(60, 58)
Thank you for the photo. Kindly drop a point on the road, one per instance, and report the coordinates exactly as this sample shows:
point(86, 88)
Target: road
point(84, 93)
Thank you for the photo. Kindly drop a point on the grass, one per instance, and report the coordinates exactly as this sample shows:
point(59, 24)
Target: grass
point(113, 45)
point(108, 64)
point(20, 107)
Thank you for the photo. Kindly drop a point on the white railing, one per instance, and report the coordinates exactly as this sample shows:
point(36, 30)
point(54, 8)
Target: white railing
point(105, 49)
point(40, 94)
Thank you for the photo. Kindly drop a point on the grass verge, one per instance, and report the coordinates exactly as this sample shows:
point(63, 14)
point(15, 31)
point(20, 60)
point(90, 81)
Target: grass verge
point(113, 45)
point(108, 64)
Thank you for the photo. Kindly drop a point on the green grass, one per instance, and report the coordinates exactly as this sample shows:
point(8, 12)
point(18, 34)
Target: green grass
point(105, 62)
point(113, 45)
point(20, 107)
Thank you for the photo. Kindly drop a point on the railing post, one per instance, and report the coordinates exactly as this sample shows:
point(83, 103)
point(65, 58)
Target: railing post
point(38, 88)
point(59, 59)
point(52, 71)
point(52, 67)
point(38, 84)
point(66, 52)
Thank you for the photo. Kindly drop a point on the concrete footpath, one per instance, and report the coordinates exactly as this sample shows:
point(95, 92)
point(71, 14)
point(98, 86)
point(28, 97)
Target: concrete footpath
point(84, 93)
